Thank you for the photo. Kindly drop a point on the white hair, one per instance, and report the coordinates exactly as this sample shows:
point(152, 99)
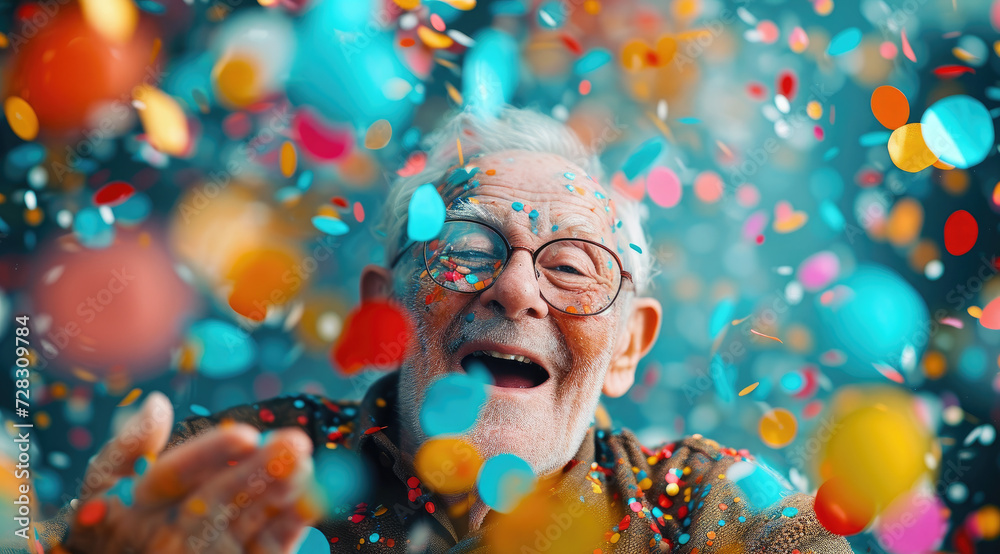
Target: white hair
point(512, 129)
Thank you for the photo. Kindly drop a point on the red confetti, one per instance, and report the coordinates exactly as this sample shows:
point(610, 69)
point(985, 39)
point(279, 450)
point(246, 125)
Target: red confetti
point(407, 42)
point(960, 233)
point(757, 91)
point(375, 335)
point(571, 44)
point(787, 84)
point(430, 507)
point(267, 416)
point(952, 71)
point(320, 140)
point(339, 201)
point(113, 194)
point(375, 429)
point(413, 482)
point(625, 522)
point(414, 164)
point(91, 513)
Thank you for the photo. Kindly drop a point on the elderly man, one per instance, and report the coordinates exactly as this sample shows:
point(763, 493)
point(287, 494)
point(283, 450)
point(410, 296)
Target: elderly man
point(536, 280)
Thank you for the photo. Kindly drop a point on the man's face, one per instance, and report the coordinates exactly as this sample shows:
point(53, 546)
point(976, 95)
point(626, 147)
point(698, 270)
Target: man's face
point(538, 411)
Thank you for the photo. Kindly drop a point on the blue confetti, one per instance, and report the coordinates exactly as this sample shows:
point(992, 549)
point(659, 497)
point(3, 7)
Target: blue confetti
point(876, 138)
point(312, 541)
point(503, 481)
point(959, 130)
point(91, 229)
point(844, 41)
point(634, 247)
point(569, 175)
point(330, 225)
point(790, 511)
point(517, 206)
point(591, 60)
point(452, 403)
point(642, 158)
point(426, 213)
point(226, 350)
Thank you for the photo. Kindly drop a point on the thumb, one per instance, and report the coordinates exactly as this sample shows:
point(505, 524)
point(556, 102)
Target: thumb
point(145, 433)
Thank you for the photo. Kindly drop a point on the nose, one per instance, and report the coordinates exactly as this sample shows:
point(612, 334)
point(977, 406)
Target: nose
point(516, 290)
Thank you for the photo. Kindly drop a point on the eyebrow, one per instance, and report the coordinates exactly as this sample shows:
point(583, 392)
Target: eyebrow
point(478, 212)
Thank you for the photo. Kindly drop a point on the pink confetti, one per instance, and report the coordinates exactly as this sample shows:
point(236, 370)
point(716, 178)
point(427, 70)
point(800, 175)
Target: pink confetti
point(907, 51)
point(359, 212)
point(953, 322)
point(414, 164)
point(889, 372)
point(437, 23)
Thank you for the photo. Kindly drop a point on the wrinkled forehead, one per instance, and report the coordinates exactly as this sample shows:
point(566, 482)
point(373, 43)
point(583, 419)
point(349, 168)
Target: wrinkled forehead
point(546, 192)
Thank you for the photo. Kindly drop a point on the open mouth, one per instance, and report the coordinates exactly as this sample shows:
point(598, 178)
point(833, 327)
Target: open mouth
point(508, 370)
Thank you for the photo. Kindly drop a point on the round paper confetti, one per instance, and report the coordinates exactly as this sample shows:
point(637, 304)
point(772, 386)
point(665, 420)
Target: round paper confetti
point(426, 213)
point(908, 150)
point(21, 118)
point(224, 350)
point(960, 232)
point(288, 159)
point(447, 465)
point(778, 428)
point(958, 130)
point(844, 41)
point(503, 481)
point(330, 225)
point(378, 135)
point(113, 194)
point(375, 335)
point(890, 107)
point(452, 403)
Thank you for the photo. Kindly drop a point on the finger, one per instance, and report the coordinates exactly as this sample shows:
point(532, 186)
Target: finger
point(145, 433)
point(280, 535)
point(280, 497)
point(191, 464)
point(252, 480)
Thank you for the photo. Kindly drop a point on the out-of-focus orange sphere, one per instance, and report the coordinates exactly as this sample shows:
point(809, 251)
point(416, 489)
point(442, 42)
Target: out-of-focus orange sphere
point(117, 309)
point(66, 69)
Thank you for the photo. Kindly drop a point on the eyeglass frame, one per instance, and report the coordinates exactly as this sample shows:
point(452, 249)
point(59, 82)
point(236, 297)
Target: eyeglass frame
point(510, 254)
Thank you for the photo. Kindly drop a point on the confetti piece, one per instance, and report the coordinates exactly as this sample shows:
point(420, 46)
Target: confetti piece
point(414, 164)
point(952, 71)
point(374, 336)
point(778, 428)
point(359, 212)
point(113, 194)
point(908, 150)
point(890, 107)
point(591, 61)
point(21, 118)
point(642, 157)
point(664, 187)
point(503, 481)
point(378, 135)
point(758, 333)
point(960, 232)
point(130, 397)
point(434, 39)
point(844, 42)
point(426, 213)
point(330, 225)
point(889, 372)
point(163, 120)
point(798, 40)
point(990, 316)
point(907, 50)
point(747, 390)
point(461, 156)
point(959, 130)
point(288, 159)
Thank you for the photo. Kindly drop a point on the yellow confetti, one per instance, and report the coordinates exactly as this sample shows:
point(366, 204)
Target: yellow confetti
point(975, 311)
point(378, 135)
point(778, 427)
point(408, 4)
point(115, 20)
point(814, 110)
point(130, 397)
point(464, 5)
point(758, 333)
point(236, 81)
point(461, 158)
point(163, 119)
point(724, 148)
point(21, 118)
point(433, 39)
point(288, 159)
point(84, 375)
point(749, 389)
point(4, 41)
point(908, 150)
point(453, 93)
point(157, 45)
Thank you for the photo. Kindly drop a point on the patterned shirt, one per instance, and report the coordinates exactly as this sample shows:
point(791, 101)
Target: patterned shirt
point(691, 496)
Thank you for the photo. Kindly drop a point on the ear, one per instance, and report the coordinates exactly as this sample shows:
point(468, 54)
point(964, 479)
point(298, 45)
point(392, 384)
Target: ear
point(376, 283)
point(640, 334)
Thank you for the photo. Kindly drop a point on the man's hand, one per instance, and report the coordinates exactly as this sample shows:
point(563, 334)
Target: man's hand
point(222, 491)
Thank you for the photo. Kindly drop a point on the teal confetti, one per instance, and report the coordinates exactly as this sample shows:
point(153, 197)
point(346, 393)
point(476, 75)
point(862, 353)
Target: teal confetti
point(330, 225)
point(426, 213)
point(634, 247)
point(844, 41)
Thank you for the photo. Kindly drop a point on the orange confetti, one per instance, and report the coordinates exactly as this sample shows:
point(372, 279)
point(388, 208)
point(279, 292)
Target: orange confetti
point(748, 390)
point(130, 397)
point(758, 333)
point(890, 107)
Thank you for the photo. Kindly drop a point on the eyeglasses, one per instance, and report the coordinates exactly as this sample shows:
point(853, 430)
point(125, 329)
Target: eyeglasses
point(575, 276)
